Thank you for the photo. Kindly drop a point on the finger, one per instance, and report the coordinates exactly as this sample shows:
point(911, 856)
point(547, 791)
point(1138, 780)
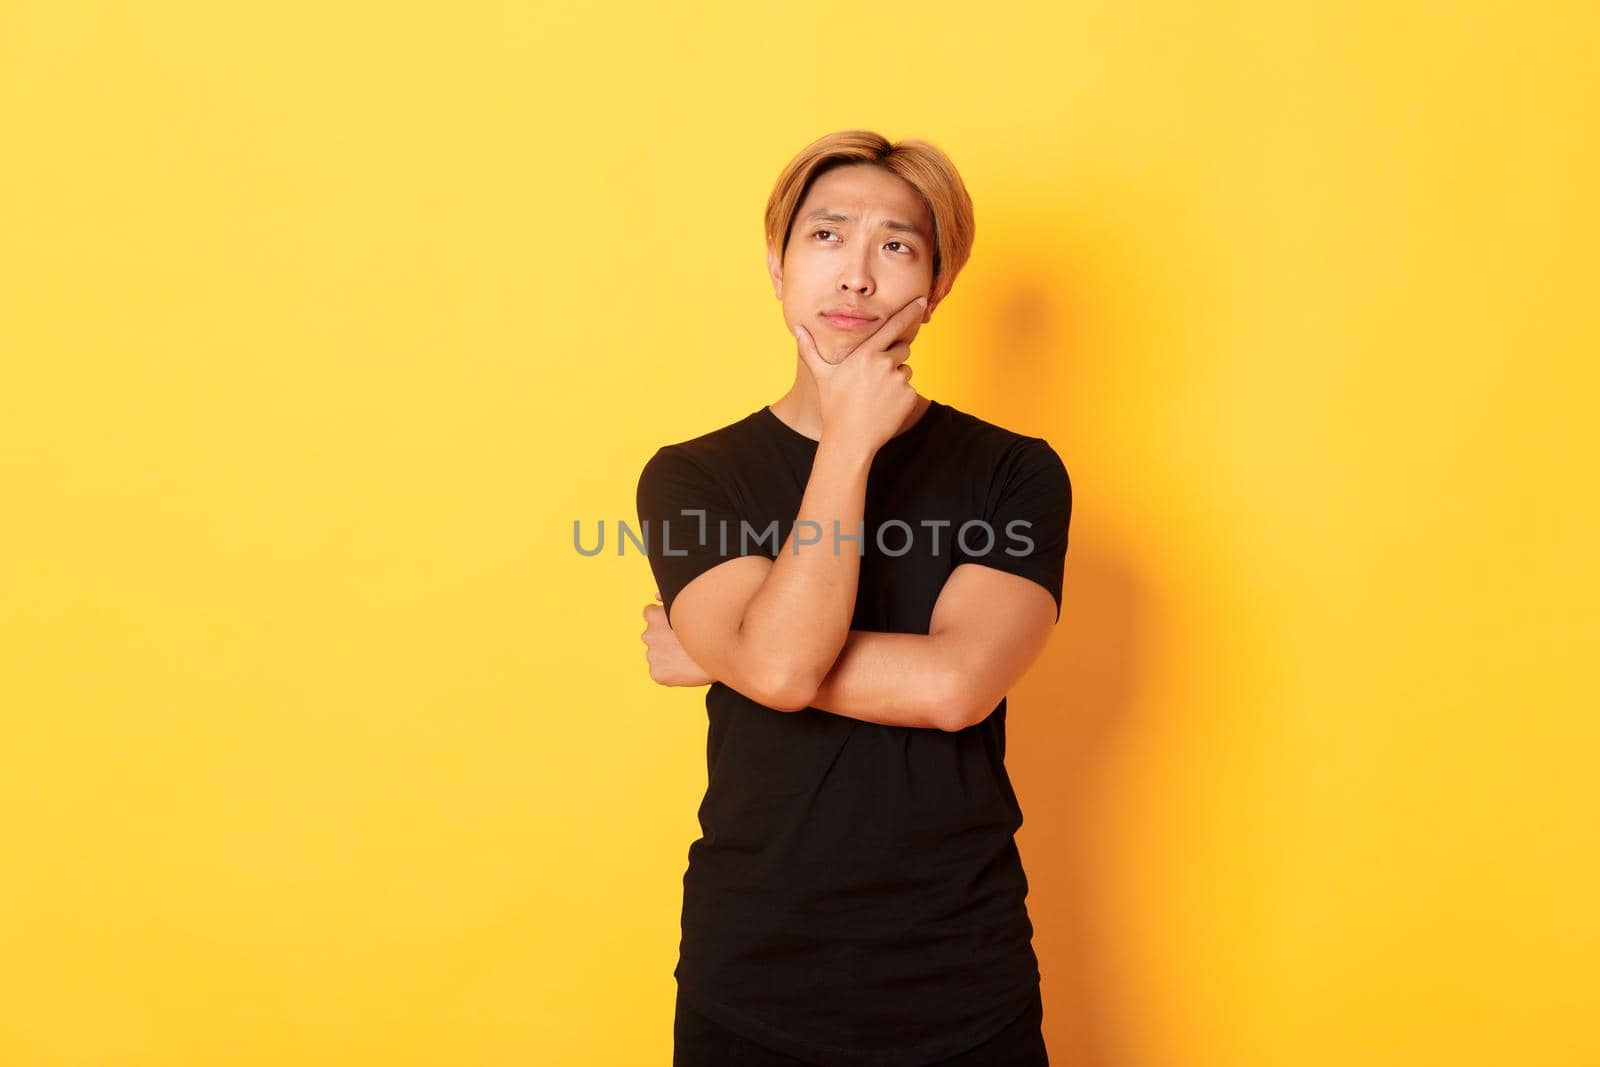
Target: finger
point(808, 351)
point(898, 324)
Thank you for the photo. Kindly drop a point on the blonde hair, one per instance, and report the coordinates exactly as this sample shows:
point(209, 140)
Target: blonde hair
point(927, 169)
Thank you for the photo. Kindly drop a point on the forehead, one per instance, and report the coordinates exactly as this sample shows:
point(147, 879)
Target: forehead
point(865, 191)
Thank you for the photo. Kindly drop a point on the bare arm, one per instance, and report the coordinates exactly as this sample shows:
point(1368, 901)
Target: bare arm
point(771, 629)
point(988, 627)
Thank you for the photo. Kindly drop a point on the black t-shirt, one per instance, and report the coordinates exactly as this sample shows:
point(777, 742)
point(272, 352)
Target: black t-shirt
point(856, 895)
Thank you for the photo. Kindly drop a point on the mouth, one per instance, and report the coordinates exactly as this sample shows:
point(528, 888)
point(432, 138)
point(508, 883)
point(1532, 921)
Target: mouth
point(847, 322)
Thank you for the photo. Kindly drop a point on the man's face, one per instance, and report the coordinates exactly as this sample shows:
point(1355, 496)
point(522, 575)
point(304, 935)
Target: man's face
point(849, 249)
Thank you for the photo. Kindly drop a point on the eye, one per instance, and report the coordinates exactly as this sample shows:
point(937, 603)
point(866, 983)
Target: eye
point(908, 250)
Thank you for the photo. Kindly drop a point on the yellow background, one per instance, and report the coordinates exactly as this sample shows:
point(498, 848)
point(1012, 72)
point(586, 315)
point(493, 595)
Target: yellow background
point(321, 324)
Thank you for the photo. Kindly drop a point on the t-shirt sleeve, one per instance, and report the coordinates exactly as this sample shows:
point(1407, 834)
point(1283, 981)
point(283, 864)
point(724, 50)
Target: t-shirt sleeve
point(1028, 511)
point(687, 522)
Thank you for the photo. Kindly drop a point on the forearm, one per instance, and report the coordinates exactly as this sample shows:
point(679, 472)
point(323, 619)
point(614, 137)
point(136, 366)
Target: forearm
point(893, 679)
point(800, 617)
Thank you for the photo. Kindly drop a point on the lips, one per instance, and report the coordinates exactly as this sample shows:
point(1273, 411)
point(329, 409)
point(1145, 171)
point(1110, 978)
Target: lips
point(846, 319)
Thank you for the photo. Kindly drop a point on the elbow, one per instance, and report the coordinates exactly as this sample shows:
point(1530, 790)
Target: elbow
point(774, 677)
point(788, 689)
point(790, 697)
point(959, 703)
point(954, 718)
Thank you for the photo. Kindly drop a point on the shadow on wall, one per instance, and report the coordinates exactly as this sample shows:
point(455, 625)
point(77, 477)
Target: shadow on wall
point(1068, 715)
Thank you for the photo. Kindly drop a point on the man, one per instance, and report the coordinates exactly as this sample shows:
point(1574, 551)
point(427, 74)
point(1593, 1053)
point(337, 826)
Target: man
point(856, 896)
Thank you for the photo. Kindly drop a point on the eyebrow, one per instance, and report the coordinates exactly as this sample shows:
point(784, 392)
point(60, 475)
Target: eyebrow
point(829, 215)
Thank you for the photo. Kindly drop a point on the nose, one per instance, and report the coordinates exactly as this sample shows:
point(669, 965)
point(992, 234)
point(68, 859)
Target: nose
point(856, 276)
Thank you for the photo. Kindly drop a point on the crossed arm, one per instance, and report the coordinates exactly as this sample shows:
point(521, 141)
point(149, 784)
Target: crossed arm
point(987, 628)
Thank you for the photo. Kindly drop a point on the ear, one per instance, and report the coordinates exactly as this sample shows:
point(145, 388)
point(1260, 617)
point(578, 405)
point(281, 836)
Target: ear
point(927, 312)
point(775, 269)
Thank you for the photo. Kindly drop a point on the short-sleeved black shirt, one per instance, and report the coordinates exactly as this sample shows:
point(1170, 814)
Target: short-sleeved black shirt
point(856, 895)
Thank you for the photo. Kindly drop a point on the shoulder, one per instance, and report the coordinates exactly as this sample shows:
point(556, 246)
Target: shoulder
point(699, 458)
point(1000, 449)
point(713, 442)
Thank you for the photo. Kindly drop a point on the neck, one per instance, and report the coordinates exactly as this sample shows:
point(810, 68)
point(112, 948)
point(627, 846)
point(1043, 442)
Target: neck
point(801, 408)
